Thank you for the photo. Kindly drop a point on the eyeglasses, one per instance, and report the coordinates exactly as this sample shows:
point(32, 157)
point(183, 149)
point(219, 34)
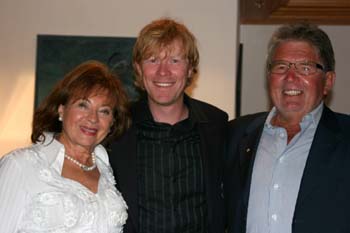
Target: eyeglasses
point(301, 67)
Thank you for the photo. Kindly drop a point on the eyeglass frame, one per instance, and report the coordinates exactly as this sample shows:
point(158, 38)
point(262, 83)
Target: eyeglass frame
point(295, 64)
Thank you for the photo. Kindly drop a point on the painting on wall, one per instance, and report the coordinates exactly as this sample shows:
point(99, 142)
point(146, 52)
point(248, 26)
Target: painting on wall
point(57, 55)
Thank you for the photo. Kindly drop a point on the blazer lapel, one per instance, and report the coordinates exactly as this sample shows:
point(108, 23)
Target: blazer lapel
point(211, 144)
point(320, 156)
point(247, 152)
point(127, 173)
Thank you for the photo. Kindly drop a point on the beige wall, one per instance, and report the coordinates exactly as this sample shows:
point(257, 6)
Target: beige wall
point(254, 94)
point(213, 22)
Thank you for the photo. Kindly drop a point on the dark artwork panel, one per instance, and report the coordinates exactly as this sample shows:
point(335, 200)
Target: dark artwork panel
point(57, 55)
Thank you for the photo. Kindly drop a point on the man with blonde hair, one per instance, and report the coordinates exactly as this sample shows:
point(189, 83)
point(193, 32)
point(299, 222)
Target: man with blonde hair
point(169, 165)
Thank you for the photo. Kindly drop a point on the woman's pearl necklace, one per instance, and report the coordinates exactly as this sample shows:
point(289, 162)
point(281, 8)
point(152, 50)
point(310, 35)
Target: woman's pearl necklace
point(82, 166)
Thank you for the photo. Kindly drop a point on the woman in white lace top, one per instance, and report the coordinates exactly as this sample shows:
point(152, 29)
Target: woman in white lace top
point(63, 182)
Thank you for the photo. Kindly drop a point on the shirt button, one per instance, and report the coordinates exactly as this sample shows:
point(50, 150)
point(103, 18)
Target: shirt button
point(276, 186)
point(274, 217)
point(282, 135)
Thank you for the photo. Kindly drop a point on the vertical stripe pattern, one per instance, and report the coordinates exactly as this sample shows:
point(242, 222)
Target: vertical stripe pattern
point(171, 184)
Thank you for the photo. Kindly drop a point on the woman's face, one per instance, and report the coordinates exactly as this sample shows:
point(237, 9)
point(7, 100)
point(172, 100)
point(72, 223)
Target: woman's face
point(86, 122)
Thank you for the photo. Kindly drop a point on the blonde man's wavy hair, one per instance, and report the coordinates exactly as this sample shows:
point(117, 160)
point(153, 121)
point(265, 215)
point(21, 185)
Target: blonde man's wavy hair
point(158, 35)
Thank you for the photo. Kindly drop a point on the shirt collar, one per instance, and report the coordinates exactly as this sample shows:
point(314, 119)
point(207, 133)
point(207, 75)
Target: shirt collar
point(52, 151)
point(314, 116)
point(141, 112)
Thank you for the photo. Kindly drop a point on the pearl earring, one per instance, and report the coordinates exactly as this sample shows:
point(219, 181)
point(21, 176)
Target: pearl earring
point(60, 118)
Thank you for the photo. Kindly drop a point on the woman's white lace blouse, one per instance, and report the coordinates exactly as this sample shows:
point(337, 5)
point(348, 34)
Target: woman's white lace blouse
point(34, 197)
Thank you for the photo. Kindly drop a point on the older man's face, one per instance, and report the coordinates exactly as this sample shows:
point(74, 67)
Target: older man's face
point(292, 93)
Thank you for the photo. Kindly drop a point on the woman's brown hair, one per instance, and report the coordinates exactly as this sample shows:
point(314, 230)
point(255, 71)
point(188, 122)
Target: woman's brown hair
point(85, 79)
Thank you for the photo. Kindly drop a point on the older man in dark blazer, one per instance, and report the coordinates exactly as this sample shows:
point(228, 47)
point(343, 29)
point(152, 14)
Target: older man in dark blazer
point(169, 165)
point(288, 171)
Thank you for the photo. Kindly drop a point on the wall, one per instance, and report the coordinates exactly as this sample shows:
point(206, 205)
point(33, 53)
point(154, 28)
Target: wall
point(254, 95)
point(213, 22)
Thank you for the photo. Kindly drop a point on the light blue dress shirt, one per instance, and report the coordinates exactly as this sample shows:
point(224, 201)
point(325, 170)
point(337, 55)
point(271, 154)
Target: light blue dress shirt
point(278, 169)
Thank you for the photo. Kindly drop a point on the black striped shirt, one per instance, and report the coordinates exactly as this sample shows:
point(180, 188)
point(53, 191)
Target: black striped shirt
point(170, 178)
